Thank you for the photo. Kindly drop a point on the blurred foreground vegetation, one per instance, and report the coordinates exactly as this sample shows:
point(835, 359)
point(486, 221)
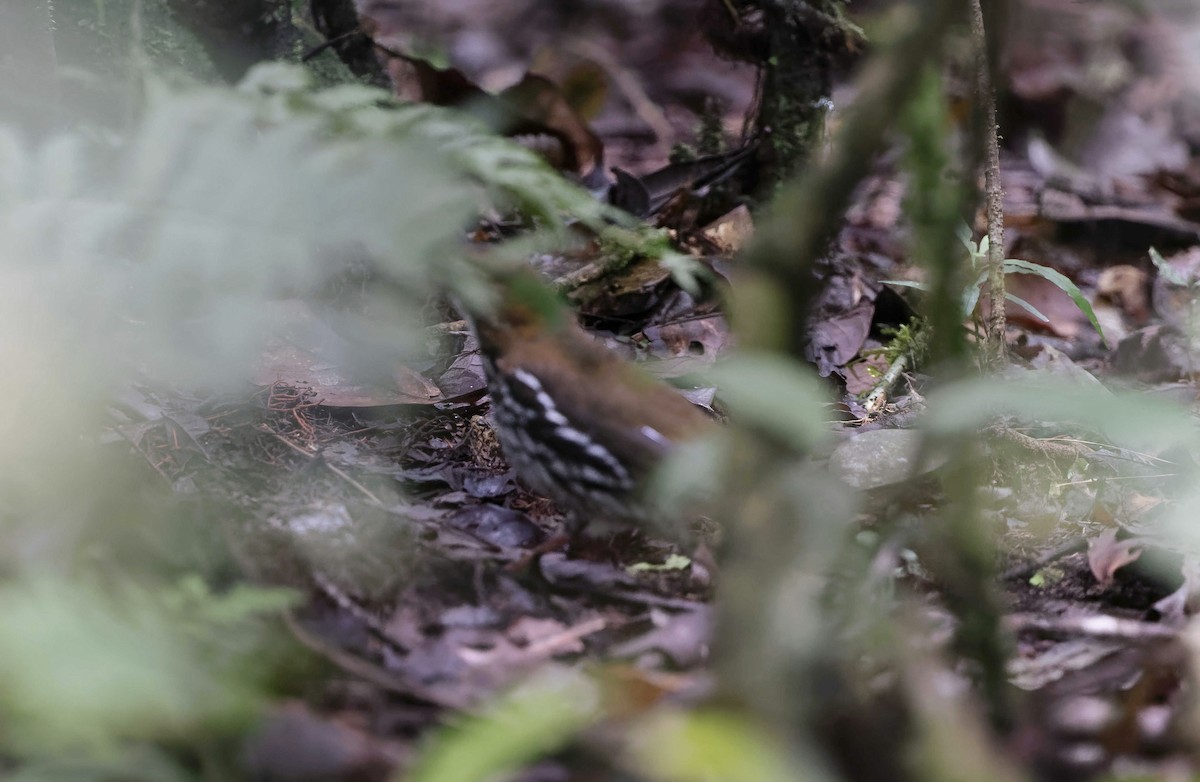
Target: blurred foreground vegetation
point(151, 220)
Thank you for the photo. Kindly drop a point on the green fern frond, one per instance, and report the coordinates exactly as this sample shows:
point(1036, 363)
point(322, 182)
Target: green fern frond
point(222, 200)
point(512, 175)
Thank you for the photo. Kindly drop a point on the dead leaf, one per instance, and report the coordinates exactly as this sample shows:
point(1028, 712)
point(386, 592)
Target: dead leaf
point(1155, 354)
point(294, 366)
point(542, 107)
point(1174, 302)
point(1175, 608)
point(683, 638)
point(629, 691)
point(1128, 287)
point(863, 375)
point(1064, 319)
point(688, 345)
point(534, 106)
point(731, 231)
point(1107, 555)
point(834, 341)
point(530, 641)
point(294, 744)
point(503, 527)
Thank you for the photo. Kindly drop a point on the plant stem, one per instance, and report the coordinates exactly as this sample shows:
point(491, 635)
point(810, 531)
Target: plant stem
point(995, 351)
point(769, 311)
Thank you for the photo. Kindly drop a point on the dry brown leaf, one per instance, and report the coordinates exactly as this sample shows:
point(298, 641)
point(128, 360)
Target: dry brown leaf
point(1127, 286)
point(731, 231)
point(1064, 317)
point(294, 366)
point(1107, 555)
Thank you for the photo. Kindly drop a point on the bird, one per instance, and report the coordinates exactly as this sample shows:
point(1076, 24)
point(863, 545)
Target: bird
point(578, 424)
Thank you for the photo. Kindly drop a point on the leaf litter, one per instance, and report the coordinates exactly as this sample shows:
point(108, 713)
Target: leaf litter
point(390, 509)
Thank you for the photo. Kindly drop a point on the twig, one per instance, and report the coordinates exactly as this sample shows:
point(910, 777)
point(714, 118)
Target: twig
point(450, 327)
point(1094, 626)
point(1043, 447)
point(331, 467)
point(364, 669)
point(589, 272)
point(874, 400)
point(1028, 569)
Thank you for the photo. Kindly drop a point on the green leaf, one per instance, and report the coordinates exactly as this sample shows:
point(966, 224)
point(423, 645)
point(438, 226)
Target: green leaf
point(1167, 271)
point(774, 394)
point(688, 475)
point(532, 721)
point(1032, 310)
point(174, 250)
point(81, 669)
point(685, 270)
point(971, 294)
point(966, 236)
point(966, 406)
point(1178, 523)
point(672, 562)
point(1062, 282)
point(715, 746)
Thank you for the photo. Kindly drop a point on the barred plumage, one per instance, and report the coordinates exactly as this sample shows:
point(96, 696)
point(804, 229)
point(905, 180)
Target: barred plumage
point(579, 424)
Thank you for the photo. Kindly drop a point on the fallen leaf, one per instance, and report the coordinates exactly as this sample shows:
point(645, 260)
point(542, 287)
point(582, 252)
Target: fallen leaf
point(1128, 287)
point(1106, 555)
point(834, 341)
point(731, 231)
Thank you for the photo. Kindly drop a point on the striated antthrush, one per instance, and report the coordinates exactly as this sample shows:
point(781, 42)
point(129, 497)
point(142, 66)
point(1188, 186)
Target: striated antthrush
point(579, 424)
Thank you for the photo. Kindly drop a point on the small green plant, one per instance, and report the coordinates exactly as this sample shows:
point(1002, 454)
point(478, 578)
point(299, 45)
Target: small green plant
point(977, 257)
point(907, 346)
point(910, 339)
point(1187, 317)
point(1169, 272)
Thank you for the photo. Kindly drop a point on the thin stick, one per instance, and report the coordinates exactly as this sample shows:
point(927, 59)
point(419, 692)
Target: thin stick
point(374, 500)
point(875, 400)
point(996, 347)
point(1097, 626)
point(1028, 569)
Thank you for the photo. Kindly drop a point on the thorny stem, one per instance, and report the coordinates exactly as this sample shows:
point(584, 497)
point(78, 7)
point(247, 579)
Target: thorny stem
point(996, 346)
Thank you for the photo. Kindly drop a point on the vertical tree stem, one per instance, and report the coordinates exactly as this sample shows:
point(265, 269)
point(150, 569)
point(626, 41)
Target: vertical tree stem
point(995, 352)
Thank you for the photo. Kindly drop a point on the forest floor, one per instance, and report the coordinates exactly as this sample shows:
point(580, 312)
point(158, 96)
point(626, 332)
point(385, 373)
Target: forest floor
point(326, 477)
